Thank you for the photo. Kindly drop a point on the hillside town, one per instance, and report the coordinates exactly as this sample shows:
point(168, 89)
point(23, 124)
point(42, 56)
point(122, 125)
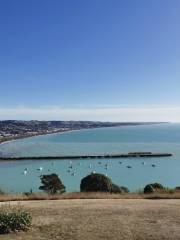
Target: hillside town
point(14, 129)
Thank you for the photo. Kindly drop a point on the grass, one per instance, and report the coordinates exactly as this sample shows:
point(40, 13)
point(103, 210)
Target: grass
point(94, 219)
point(169, 194)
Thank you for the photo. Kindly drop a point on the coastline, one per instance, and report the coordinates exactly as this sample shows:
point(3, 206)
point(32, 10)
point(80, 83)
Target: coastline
point(11, 139)
point(6, 140)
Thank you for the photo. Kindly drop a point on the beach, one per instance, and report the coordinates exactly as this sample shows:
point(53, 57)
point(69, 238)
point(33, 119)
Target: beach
point(10, 139)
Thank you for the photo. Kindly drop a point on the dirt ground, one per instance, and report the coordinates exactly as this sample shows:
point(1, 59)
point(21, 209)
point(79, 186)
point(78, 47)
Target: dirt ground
point(111, 219)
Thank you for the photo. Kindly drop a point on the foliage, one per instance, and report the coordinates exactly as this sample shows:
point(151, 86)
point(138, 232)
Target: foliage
point(96, 182)
point(177, 188)
point(2, 192)
point(28, 193)
point(171, 190)
point(115, 188)
point(153, 187)
point(149, 189)
point(52, 184)
point(14, 219)
point(124, 189)
point(157, 186)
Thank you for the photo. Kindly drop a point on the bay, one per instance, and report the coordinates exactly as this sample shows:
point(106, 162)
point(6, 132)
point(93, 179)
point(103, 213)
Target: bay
point(154, 138)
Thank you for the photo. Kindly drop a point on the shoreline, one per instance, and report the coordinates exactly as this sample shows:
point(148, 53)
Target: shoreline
point(11, 139)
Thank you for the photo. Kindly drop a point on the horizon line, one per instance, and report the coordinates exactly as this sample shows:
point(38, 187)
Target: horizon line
point(115, 113)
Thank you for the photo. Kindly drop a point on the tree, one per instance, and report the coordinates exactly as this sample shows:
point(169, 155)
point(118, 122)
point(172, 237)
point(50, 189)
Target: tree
point(153, 187)
point(52, 184)
point(96, 182)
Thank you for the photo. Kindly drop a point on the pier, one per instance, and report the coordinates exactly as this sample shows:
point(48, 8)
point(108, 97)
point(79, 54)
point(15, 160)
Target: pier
point(95, 156)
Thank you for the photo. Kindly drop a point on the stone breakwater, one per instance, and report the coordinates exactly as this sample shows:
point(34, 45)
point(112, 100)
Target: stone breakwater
point(118, 155)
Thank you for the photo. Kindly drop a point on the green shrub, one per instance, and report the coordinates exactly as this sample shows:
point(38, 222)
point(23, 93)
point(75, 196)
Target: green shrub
point(171, 190)
point(153, 187)
point(157, 186)
point(124, 189)
point(148, 189)
point(177, 189)
point(96, 182)
point(52, 184)
point(115, 188)
point(14, 219)
point(1, 192)
point(28, 193)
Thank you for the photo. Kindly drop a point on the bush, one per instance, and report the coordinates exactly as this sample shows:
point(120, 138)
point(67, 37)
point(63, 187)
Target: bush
point(148, 189)
point(96, 182)
point(28, 193)
point(153, 187)
point(157, 186)
point(52, 184)
point(14, 219)
point(115, 188)
point(171, 190)
point(124, 189)
point(118, 189)
point(1, 192)
point(177, 188)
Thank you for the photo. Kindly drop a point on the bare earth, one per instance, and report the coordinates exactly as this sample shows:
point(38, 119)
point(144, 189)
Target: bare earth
point(113, 219)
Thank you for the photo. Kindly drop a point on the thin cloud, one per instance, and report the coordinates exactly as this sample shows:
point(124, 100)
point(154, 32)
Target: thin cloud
point(100, 113)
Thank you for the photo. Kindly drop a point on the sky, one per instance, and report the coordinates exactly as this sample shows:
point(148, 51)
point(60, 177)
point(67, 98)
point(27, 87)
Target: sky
point(111, 60)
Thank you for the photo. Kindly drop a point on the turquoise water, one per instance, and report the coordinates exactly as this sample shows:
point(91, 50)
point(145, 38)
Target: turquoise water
point(155, 138)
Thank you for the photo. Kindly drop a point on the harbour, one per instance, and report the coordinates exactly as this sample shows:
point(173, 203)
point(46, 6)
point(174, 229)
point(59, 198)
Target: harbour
point(131, 156)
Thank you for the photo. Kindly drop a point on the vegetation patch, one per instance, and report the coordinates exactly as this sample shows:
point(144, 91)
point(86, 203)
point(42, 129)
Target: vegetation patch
point(96, 182)
point(153, 188)
point(2, 192)
point(14, 219)
point(52, 184)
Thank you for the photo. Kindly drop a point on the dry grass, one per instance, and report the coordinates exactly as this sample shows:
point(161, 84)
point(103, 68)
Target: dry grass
point(88, 195)
point(94, 219)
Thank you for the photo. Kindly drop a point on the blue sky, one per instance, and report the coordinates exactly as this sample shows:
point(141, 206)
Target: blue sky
point(64, 55)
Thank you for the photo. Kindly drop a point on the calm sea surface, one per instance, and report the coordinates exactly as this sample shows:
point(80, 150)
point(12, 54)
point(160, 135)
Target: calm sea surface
point(155, 138)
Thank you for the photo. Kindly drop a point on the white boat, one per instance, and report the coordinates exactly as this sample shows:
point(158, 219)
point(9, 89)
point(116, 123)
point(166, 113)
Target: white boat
point(40, 169)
